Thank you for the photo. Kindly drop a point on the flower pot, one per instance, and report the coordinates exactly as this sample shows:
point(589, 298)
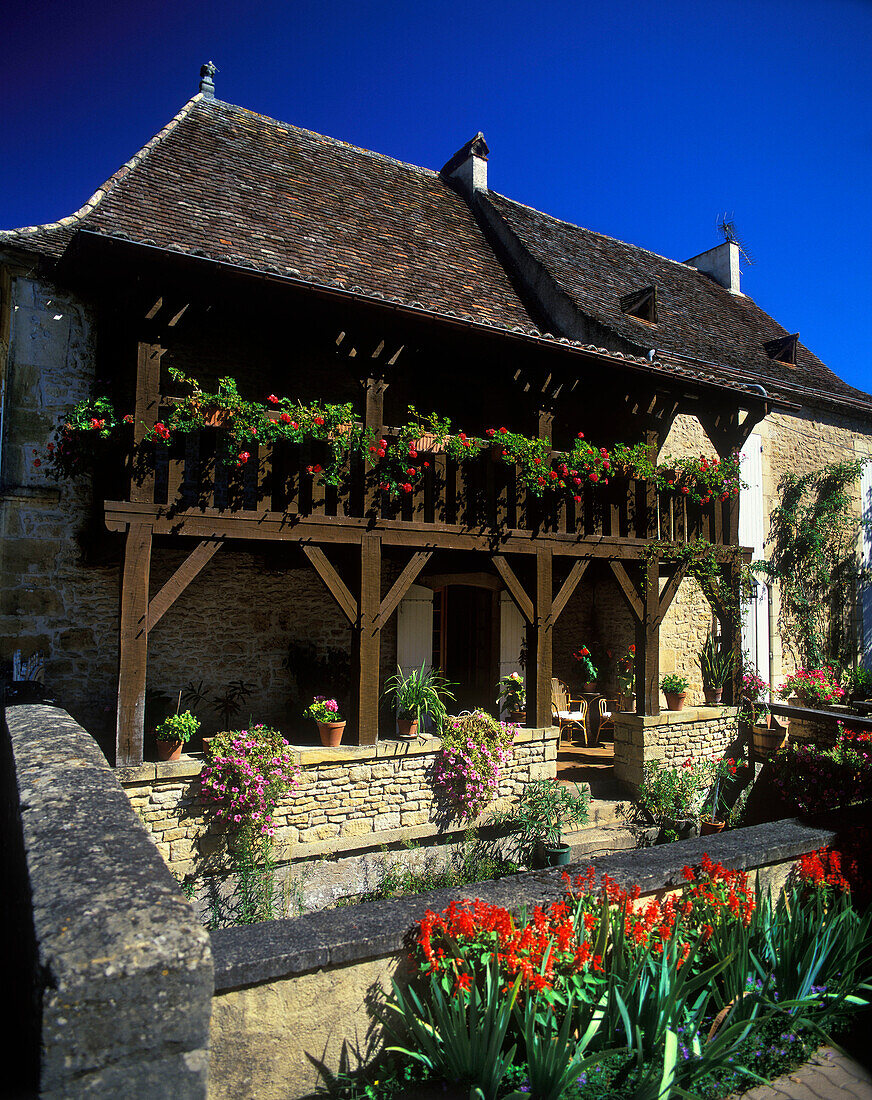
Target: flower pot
point(331, 733)
point(589, 688)
point(169, 750)
point(407, 727)
point(767, 740)
point(518, 717)
point(557, 855)
point(712, 696)
point(682, 828)
point(707, 827)
point(675, 700)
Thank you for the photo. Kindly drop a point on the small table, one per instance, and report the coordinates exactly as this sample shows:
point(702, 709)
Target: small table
point(591, 698)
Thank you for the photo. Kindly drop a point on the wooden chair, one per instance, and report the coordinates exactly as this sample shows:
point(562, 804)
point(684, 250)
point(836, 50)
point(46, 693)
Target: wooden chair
point(606, 710)
point(568, 713)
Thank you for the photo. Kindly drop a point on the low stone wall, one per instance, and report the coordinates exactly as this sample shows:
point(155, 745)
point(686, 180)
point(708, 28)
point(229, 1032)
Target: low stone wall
point(349, 802)
point(672, 736)
point(293, 996)
point(119, 982)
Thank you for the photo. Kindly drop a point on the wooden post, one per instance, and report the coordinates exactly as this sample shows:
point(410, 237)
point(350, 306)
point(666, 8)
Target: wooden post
point(148, 357)
point(648, 641)
point(366, 645)
point(133, 647)
point(373, 417)
point(540, 643)
point(732, 629)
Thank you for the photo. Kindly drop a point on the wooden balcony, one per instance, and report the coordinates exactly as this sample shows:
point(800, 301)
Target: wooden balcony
point(190, 492)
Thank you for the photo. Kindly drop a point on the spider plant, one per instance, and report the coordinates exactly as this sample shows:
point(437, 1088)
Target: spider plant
point(714, 664)
point(420, 694)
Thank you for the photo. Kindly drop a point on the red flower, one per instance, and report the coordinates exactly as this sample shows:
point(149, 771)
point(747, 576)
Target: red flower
point(411, 471)
point(244, 456)
point(319, 420)
point(128, 419)
point(407, 488)
point(594, 477)
point(577, 499)
point(161, 431)
point(37, 462)
point(490, 433)
point(273, 400)
point(285, 418)
point(685, 489)
point(581, 435)
point(504, 431)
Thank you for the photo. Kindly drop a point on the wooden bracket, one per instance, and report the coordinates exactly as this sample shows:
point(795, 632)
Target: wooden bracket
point(402, 585)
point(516, 589)
point(200, 556)
point(568, 587)
point(335, 584)
point(670, 589)
point(631, 592)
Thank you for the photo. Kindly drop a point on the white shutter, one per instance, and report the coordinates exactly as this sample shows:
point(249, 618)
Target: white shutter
point(512, 629)
point(415, 629)
point(866, 561)
point(755, 622)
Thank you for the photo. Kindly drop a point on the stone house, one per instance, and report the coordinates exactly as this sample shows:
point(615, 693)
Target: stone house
point(237, 245)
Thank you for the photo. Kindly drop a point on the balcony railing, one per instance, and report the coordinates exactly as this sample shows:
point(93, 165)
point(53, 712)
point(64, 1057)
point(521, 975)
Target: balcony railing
point(482, 494)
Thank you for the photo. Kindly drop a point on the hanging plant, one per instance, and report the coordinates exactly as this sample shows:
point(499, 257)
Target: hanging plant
point(81, 438)
point(701, 479)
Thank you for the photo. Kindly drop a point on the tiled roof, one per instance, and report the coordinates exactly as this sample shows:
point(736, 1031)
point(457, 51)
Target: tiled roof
point(237, 186)
point(696, 317)
point(224, 183)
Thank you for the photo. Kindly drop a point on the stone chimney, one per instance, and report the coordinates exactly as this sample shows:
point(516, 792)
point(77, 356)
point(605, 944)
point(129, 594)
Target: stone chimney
point(469, 166)
point(207, 84)
point(722, 263)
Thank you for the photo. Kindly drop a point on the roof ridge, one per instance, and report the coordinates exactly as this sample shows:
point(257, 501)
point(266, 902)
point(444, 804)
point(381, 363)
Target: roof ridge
point(332, 140)
point(109, 185)
point(604, 236)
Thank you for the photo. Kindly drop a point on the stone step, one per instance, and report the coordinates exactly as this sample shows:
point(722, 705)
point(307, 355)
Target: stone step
point(605, 811)
point(595, 840)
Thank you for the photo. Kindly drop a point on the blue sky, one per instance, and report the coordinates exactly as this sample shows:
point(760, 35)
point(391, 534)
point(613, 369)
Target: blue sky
point(643, 121)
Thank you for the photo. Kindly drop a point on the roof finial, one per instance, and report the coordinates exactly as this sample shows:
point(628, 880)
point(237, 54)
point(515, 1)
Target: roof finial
point(207, 84)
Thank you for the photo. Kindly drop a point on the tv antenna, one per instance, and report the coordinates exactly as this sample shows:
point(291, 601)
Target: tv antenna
point(727, 229)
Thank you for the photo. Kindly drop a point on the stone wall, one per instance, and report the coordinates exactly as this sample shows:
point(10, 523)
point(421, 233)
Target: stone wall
point(121, 978)
point(698, 733)
point(292, 996)
point(349, 802)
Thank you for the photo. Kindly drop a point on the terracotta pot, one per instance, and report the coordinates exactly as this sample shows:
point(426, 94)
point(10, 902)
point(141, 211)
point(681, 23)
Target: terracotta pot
point(519, 717)
point(712, 695)
point(675, 700)
point(428, 443)
point(709, 828)
point(407, 727)
point(331, 733)
point(767, 740)
point(589, 688)
point(169, 750)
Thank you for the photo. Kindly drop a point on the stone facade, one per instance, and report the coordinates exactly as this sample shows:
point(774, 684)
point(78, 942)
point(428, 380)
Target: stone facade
point(697, 733)
point(348, 801)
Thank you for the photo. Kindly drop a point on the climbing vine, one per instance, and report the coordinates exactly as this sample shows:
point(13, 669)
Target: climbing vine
point(813, 559)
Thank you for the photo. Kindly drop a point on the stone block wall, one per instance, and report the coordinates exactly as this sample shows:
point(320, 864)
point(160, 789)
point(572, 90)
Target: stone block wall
point(697, 733)
point(349, 801)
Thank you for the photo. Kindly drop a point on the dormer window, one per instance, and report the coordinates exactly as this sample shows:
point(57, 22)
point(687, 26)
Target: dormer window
point(641, 304)
point(783, 350)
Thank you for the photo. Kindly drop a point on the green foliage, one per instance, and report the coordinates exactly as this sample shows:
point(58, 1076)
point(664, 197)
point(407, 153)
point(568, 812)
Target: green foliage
point(512, 693)
point(461, 1038)
point(422, 694)
point(674, 684)
point(178, 727)
point(857, 683)
point(715, 665)
point(543, 811)
point(813, 538)
point(670, 794)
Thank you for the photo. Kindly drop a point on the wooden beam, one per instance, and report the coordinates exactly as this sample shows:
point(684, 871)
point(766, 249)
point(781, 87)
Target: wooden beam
point(200, 556)
point(648, 642)
point(568, 587)
point(402, 585)
point(516, 589)
point(540, 638)
point(335, 584)
point(148, 357)
point(133, 646)
point(635, 602)
point(366, 646)
point(676, 576)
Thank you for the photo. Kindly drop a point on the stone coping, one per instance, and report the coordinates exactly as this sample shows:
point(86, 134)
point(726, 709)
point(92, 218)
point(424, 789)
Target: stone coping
point(249, 955)
point(125, 968)
point(675, 717)
point(191, 764)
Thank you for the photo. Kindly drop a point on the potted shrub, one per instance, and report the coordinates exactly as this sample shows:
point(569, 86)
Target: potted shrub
point(420, 695)
point(716, 667)
point(513, 697)
point(588, 670)
point(670, 798)
point(626, 678)
point(675, 689)
point(174, 732)
point(331, 724)
point(711, 820)
point(545, 809)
